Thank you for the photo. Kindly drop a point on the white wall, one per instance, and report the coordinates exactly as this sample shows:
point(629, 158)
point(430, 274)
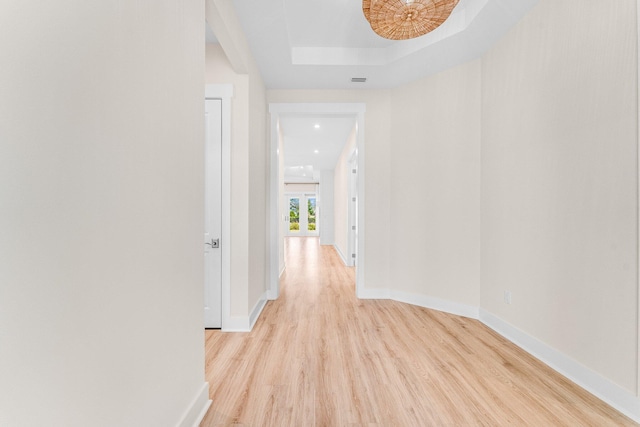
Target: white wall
point(249, 175)
point(341, 183)
point(101, 266)
point(258, 187)
point(326, 211)
point(559, 182)
point(435, 178)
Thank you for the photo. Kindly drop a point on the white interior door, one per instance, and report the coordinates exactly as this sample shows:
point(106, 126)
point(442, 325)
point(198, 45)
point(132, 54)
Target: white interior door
point(213, 214)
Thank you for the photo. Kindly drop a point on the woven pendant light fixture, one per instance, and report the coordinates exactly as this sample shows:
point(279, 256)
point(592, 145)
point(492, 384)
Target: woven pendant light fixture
point(406, 19)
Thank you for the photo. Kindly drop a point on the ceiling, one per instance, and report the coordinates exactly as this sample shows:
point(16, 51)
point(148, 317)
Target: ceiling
point(323, 44)
point(312, 143)
point(312, 44)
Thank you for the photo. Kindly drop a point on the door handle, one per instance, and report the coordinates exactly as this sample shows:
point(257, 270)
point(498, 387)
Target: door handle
point(215, 243)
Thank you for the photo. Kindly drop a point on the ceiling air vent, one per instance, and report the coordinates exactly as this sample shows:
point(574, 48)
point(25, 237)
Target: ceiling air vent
point(358, 79)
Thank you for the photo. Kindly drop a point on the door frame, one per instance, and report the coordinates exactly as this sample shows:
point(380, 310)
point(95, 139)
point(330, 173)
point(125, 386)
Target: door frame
point(224, 92)
point(353, 220)
point(356, 110)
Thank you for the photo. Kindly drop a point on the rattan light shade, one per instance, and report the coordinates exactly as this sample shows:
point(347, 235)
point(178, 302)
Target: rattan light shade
point(406, 19)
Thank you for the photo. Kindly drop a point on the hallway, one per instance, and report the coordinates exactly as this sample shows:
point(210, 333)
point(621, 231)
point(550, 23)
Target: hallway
point(318, 356)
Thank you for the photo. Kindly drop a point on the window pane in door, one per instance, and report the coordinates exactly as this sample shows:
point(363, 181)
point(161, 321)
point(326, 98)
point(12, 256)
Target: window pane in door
point(311, 213)
point(294, 214)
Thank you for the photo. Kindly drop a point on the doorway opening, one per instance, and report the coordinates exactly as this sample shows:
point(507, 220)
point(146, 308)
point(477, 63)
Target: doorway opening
point(336, 218)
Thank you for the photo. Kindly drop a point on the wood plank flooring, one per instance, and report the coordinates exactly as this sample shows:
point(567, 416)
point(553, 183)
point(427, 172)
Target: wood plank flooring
point(318, 356)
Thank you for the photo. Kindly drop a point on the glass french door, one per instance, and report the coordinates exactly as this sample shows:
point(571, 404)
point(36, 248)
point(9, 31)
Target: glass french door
point(293, 223)
point(302, 216)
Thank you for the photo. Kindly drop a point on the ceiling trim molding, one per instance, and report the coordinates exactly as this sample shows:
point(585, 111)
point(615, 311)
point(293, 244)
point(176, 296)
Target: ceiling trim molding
point(458, 22)
point(318, 108)
point(311, 45)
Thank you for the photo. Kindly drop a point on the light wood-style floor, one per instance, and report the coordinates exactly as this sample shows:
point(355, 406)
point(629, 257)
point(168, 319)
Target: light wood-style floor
point(318, 356)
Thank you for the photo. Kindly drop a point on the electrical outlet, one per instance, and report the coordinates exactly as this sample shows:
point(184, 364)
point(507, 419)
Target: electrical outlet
point(507, 297)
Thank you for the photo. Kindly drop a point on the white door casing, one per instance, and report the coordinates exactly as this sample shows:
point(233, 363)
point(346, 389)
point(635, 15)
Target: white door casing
point(353, 209)
point(213, 214)
point(356, 110)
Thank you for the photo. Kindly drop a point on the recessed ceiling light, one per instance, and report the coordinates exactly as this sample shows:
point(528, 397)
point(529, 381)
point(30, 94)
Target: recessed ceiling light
point(316, 151)
point(317, 126)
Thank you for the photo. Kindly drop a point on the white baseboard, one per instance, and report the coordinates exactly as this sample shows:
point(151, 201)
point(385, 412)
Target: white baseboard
point(374, 294)
point(434, 303)
point(257, 310)
point(344, 260)
point(604, 389)
point(272, 294)
point(611, 393)
point(197, 409)
point(236, 324)
point(425, 301)
point(245, 323)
